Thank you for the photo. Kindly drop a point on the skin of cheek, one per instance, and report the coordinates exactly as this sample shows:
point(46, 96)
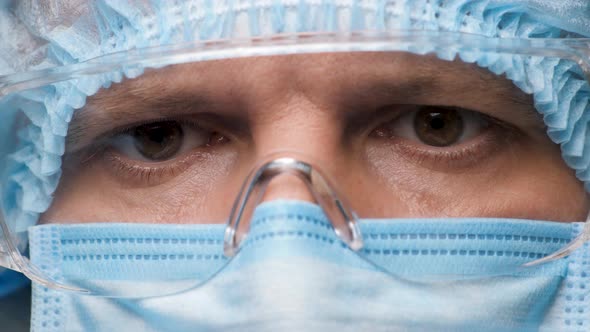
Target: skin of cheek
point(93, 195)
point(539, 185)
point(524, 182)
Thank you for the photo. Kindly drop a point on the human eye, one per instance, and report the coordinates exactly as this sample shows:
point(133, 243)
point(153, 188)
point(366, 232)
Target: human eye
point(437, 134)
point(151, 152)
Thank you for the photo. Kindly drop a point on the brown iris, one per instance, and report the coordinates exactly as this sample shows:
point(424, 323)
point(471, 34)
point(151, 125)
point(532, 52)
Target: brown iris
point(158, 141)
point(438, 126)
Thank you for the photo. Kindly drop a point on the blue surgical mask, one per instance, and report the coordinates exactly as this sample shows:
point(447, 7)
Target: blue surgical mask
point(292, 273)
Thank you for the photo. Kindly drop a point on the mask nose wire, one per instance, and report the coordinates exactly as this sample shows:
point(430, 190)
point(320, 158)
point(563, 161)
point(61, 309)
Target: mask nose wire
point(344, 221)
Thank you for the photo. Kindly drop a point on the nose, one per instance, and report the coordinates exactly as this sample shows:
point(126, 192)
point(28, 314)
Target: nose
point(295, 127)
point(287, 186)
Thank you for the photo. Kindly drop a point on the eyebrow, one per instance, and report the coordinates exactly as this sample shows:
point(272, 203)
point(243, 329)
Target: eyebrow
point(130, 105)
point(425, 85)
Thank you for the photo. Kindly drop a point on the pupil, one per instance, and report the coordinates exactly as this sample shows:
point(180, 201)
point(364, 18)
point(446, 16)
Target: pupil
point(437, 126)
point(158, 135)
point(437, 122)
point(158, 141)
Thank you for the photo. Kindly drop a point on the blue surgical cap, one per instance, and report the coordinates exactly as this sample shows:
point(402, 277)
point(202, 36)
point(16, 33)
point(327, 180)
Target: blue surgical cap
point(41, 34)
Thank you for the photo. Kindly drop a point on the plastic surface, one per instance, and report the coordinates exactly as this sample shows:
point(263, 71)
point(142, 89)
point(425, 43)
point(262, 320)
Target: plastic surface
point(342, 218)
point(26, 196)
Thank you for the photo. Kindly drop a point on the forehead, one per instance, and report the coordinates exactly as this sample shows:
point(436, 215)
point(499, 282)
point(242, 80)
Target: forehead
point(331, 71)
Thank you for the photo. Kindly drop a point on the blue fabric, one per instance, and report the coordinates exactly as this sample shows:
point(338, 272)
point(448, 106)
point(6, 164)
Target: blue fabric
point(39, 34)
point(292, 273)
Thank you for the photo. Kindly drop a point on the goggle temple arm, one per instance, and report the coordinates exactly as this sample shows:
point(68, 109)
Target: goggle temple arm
point(6, 247)
point(567, 250)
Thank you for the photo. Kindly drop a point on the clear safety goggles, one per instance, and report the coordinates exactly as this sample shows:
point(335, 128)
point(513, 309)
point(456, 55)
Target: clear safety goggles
point(419, 136)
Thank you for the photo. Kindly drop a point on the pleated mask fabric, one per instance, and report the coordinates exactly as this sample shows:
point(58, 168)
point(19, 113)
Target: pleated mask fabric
point(293, 273)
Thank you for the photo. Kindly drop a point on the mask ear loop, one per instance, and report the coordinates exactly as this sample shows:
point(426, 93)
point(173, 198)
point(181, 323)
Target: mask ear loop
point(568, 249)
point(343, 219)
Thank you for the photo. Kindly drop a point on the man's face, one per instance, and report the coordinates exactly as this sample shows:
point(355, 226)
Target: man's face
point(398, 135)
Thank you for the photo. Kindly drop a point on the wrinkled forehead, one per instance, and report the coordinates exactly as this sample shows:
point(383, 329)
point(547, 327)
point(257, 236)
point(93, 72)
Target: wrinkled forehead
point(402, 73)
point(403, 66)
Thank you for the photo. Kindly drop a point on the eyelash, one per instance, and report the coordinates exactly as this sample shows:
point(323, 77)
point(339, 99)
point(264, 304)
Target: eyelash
point(125, 129)
point(452, 158)
point(132, 171)
point(147, 175)
point(455, 157)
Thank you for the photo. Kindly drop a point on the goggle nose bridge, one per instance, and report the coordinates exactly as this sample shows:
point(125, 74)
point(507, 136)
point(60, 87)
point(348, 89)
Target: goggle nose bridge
point(348, 230)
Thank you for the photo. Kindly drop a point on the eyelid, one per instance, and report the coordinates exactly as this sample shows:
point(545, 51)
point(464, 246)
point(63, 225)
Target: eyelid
point(362, 124)
point(139, 174)
point(117, 108)
point(472, 124)
point(103, 139)
point(189, 136)
point(230, 126)
point(394, 112)
point(125, 165)
point(450, 159)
